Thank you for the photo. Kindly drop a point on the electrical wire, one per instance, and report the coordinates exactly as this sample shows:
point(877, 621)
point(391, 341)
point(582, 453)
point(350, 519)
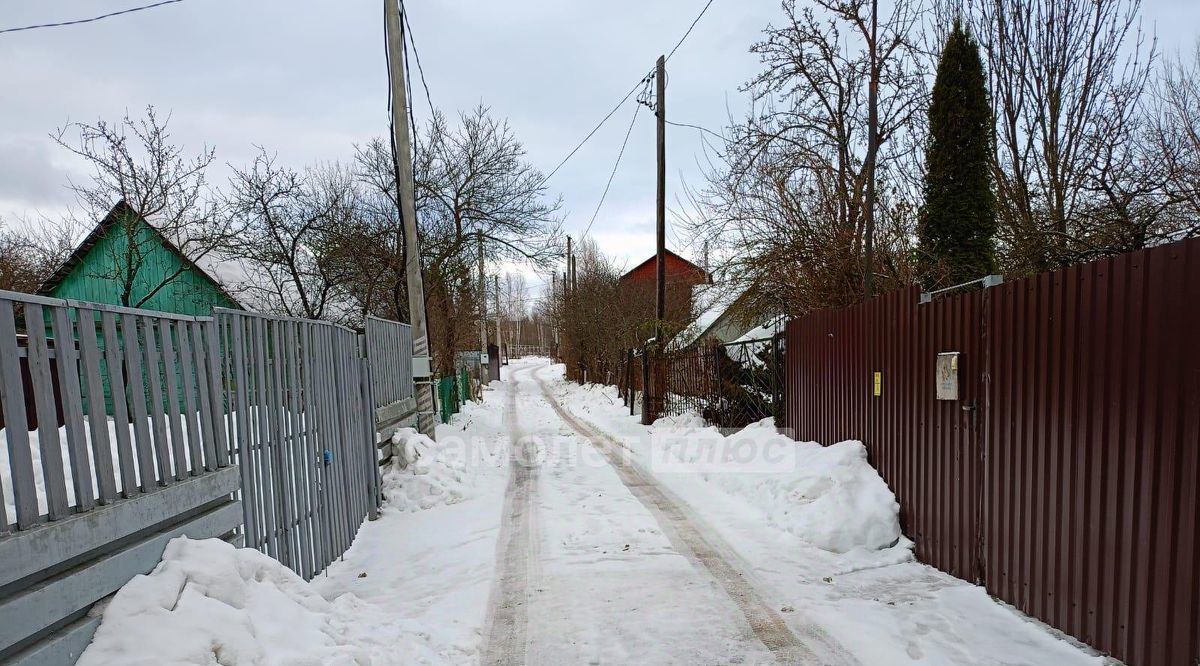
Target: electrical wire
point(636, 108)
point(417, 56)
point(702, 129)
point(90, 20)
point(641, 84)
point(689, 30)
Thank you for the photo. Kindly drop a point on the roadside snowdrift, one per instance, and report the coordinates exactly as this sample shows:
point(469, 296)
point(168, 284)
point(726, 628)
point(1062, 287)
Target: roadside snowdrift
point(828, 496)
point(210, 603)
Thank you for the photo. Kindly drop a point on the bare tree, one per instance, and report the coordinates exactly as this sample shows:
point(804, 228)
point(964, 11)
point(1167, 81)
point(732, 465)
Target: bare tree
point(832, 135)
point(471, 182)
point(289, 220)
point(1174, 143)
point(1066, 79)
point(135, 162)
point(31, 251)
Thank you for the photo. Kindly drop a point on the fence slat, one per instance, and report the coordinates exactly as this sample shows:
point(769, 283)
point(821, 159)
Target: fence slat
point(213, 352)
point(195, 449)
point(136, 391)
point(300, 462)
point(120, 406)
point(264, 445)
point(178, 454)
point(240, 407)
point(70, 401)
point(199, 359)
point(89, 352)
point(162, 446)
point(311, 451)
point(44, 403)
point(12, 401)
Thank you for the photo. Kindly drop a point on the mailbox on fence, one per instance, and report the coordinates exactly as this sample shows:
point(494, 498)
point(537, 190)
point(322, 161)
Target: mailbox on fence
point(946, 370)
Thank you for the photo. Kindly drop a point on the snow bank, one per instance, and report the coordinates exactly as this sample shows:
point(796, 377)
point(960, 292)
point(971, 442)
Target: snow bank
point(424, 475)
point(208, 602)
point(828, 496)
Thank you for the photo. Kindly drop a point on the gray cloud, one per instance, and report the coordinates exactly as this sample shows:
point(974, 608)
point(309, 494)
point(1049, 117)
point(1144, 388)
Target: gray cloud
point(307, 79)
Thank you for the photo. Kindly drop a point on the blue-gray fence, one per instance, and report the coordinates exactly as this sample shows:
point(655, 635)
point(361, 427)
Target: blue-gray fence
point(302, 426)
point(125, 428)
point(141, 457)
point(389, 350)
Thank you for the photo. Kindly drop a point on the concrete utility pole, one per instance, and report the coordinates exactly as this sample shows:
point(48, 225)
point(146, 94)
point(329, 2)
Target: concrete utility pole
point(660, 204)
point(483, 359)
point(499, 355)
point(402, 151)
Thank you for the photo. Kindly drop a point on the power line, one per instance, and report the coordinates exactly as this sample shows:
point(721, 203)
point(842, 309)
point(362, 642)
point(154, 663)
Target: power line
point(702, 129)
point(595, 129)
point(417, 56)
point(640, 84)
point(90, 20)
point(636, 108)
point(689, 30)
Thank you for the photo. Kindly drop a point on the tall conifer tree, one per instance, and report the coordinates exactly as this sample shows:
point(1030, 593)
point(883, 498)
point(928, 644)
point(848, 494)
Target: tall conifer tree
point(958, 222)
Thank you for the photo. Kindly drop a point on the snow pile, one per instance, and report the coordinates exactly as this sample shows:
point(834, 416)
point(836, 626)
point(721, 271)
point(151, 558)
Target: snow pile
point(208, 602)
point(421, 475)
point(425, 474)
point(828, 496)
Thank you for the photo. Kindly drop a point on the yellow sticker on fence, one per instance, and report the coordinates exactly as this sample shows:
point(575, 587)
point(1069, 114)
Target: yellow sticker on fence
point(878, 384)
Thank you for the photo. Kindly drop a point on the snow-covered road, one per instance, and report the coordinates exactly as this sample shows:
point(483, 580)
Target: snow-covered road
point(547, 526)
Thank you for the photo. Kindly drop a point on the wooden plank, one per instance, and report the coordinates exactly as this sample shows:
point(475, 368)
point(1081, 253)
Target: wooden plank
point(162, 446)
point(49, 544)
point(43, 605)
point(136, 390)
point(170, 379)
point(70, 398)
point(89, 352)
point(116, 381)
point(187, 372)
point(12, 401)
point(216, 392)
point(43, 393)
point(199, 359)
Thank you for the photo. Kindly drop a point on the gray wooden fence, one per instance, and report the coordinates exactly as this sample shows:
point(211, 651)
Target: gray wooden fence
point(389, 349)
point(302, 425)
point(141, 457)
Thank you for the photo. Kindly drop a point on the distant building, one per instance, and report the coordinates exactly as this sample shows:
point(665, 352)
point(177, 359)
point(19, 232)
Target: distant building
point(165, 280)
point(638, 289)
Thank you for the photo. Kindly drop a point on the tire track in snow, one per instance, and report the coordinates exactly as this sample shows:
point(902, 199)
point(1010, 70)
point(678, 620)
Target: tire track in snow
point(516, 547)
point(706, 548)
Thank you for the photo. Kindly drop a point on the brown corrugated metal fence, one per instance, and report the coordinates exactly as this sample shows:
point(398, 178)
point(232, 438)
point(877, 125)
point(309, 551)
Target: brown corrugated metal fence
point(1064, 476)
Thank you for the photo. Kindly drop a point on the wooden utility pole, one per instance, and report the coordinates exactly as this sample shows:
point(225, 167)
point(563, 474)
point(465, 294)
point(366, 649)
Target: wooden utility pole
point(660, 204)
point(402, 152)
point(872, 154)
point(569, 271)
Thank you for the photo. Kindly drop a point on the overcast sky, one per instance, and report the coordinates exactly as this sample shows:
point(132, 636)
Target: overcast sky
point(307, 80)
